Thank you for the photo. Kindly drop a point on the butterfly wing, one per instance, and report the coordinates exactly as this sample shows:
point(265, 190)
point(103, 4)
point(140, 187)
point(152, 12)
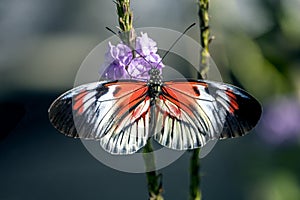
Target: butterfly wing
point(243, 111)
point(190, 113)
point(116, 113)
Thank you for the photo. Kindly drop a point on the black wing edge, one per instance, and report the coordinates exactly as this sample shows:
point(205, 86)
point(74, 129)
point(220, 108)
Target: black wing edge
point(60, 112)
point(242, 120)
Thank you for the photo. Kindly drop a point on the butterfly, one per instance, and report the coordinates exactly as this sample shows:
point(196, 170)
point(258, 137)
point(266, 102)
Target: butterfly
point(178, 114)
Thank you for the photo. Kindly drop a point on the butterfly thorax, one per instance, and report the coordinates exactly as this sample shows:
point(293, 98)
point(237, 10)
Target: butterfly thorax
point(154, 82)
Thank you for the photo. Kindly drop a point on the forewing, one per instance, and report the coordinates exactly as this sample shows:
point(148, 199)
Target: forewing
point(105, 111)
point(190, 113)
point(242, 110)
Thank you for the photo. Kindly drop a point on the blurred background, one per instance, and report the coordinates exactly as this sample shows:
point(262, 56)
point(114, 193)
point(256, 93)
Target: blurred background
point(42, 44)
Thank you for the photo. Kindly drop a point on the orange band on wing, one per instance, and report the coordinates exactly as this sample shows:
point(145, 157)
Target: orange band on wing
point(125, 104)
point(179, 101)
point(233, 105)
point(189, 88)
point(123, 88)
point(78, 106)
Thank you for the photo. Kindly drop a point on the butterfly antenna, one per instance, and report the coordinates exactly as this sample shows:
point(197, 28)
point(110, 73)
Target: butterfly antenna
point(168, 51)
point(110, 30)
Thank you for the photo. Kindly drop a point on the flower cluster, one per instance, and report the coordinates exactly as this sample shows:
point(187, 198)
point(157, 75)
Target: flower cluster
point(121, 62)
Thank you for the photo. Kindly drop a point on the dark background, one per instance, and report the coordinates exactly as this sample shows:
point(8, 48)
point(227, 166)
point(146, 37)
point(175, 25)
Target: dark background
point(42, 44)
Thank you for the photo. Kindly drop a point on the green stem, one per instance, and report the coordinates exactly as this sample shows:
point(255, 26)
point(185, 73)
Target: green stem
point(195, 192)
point(153, 179)
point(125, 15)
point(125, 18)
point(204, 36)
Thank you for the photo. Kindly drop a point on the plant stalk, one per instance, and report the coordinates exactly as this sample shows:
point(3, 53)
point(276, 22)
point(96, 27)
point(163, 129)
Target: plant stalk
point(195, 179)
point(125, 19)
point(204, 37)
point(195, 192)
point(153, 178)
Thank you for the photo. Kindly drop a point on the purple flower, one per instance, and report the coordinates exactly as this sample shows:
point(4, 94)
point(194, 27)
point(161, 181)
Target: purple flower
point(120, 62)
point(145, 45)
point(281, 121)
